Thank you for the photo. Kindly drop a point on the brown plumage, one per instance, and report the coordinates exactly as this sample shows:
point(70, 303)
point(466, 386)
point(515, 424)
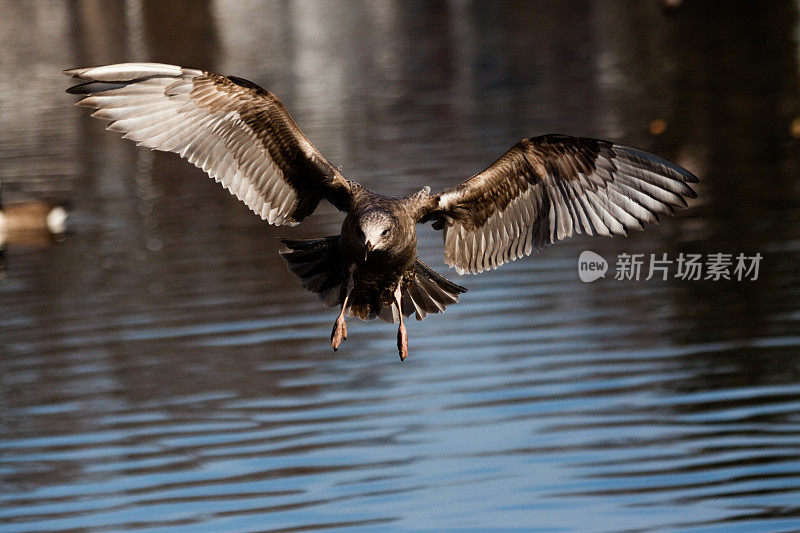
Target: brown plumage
point(542, 190)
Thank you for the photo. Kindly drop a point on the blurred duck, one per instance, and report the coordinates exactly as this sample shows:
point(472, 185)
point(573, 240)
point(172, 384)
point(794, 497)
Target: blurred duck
point(23, 220)
point(33, 216)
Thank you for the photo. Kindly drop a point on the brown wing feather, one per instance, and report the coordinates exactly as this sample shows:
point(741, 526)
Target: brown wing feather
point(548, 188)
point(239, 133)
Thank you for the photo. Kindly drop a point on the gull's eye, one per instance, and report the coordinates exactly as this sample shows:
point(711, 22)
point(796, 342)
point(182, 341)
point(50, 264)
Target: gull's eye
point(385, 232)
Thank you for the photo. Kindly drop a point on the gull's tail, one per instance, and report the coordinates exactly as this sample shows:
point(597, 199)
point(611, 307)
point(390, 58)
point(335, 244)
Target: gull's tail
point(322, 271)
point(428, 293)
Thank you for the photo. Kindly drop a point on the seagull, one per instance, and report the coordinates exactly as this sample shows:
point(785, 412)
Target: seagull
point(544, 189)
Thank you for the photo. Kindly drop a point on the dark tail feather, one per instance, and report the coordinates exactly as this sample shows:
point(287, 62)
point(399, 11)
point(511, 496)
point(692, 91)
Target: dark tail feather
point(321, 271)
point(317, 264)
point(428, 293)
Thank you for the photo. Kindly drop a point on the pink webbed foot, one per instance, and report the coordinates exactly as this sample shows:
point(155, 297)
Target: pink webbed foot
point(339, 333)
point(402, 341)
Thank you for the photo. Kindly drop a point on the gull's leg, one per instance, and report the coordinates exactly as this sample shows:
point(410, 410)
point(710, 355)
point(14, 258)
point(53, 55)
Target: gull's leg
point(339, 332)
point(402, 333)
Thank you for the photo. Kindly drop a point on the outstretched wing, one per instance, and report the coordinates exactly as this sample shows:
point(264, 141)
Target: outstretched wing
point(240, 134)
point(548, 188)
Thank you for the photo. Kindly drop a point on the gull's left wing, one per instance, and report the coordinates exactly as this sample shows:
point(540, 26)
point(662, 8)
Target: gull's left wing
point(548, 188)
point(239, 133)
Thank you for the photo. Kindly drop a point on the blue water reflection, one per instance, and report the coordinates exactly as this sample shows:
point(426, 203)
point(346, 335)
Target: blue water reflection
point(162, 370)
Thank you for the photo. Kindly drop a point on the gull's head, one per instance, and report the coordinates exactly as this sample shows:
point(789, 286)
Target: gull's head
point(376, 227)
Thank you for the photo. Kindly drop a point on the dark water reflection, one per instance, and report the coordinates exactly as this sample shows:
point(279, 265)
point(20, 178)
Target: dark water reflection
point(161, 369)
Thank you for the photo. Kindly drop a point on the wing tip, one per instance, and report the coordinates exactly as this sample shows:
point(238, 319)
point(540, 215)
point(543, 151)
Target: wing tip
point(89, 87)
point(124, 71)
point(73, 72)
point(688, 175)
point(76, 89)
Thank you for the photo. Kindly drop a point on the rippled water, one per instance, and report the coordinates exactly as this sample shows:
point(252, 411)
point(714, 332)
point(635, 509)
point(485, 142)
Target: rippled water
point(161, 369)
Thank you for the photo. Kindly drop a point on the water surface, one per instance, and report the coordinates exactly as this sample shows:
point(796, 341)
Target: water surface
point(161, 370)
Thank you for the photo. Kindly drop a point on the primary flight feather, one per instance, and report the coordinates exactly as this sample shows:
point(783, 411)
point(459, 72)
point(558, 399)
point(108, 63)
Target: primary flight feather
point(542, 190)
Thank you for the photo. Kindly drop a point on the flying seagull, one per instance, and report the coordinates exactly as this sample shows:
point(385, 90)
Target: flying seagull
point(542, 190)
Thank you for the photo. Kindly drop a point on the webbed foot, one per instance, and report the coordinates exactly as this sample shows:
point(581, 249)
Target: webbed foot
point(402, 341)
point(339, 333)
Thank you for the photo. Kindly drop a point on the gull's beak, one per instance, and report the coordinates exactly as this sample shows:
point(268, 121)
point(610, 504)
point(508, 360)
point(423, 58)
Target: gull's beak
point(368, 248)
